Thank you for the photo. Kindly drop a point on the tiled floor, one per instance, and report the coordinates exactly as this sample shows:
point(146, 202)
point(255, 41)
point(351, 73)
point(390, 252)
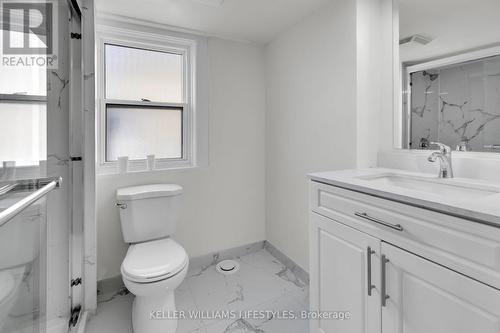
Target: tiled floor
point(261, 284)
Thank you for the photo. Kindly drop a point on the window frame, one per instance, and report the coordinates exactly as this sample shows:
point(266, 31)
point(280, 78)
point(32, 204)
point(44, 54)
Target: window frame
point(151, 42)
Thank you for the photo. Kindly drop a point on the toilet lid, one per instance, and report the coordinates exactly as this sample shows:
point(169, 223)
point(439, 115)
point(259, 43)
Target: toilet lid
point(153, 261)
point(148, 191)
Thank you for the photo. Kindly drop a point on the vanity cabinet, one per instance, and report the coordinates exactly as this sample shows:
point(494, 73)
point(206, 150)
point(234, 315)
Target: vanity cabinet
point(398, 268)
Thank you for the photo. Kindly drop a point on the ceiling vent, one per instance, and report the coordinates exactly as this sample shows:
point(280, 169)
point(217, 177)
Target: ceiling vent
point(415, 39)
point(212, 3)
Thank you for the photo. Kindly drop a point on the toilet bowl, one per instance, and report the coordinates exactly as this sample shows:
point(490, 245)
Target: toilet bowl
point(151, 271)
point(155, 264)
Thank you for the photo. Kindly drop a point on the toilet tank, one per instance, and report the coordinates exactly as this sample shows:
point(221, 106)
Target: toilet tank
point(148, 212)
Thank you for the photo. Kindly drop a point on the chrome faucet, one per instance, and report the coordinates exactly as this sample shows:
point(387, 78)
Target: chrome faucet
point(444, 157)
point(463, 146)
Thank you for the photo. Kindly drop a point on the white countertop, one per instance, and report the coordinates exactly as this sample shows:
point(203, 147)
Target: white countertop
point(483, 209)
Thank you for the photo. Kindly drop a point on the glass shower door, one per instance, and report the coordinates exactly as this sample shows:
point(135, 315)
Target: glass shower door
point(23, 265)
point(39, 112)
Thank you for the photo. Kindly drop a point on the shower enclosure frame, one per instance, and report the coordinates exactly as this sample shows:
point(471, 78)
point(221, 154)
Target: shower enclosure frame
point(83, 271)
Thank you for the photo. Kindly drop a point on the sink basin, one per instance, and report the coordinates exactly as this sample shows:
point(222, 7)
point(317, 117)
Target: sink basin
point(450, 188)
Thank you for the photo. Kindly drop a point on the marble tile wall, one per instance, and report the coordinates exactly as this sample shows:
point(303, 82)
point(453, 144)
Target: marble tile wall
point(457, 105)
point(58, 165)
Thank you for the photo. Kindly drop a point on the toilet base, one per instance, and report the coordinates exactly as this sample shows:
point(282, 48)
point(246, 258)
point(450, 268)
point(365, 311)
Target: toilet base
point(154, 314)
point(154, 308)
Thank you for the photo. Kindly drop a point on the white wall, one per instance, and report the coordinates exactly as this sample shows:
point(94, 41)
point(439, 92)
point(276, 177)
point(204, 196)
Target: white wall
point(374, 70)
point(224, 203)
point(329, 86)
point(472, 25)
point(311, 117)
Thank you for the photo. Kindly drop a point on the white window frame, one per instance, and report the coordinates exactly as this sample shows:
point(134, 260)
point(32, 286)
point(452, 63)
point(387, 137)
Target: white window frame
point(154, 42)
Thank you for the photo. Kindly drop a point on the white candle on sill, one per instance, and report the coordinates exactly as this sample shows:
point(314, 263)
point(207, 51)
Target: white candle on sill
point(123, 164)
point(150, 162)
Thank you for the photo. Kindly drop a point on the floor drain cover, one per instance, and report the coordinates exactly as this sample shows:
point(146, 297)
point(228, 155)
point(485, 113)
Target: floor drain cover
point(227, 267)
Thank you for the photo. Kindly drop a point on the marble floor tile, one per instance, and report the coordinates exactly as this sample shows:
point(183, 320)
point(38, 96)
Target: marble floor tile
point(262, 284)
point(282, 314)
point(113, 316)
point(260, 278)
point(185, 302)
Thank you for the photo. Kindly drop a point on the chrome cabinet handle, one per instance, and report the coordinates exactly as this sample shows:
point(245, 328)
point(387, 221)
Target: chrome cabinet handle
point(383, 283)
point(369, 253)
point(365, 216)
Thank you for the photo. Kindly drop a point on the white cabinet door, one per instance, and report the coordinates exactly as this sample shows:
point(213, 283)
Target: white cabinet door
point(425, 297)
point(341, 270)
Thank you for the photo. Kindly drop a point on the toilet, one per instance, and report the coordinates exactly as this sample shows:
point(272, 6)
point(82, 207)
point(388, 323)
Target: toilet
point(155, 264)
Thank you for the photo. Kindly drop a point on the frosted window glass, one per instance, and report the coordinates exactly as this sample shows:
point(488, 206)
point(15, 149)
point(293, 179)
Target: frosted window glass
point(23, 132)
point(136, 74)
point(139, 131)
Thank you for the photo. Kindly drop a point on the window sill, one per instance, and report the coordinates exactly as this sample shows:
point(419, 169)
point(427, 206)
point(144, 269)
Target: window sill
point(139, 167)
point(23, 172)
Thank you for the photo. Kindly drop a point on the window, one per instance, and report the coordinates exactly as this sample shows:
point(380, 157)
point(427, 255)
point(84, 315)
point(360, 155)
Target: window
point(144, 101)
point(148, 103)
point(23, 131)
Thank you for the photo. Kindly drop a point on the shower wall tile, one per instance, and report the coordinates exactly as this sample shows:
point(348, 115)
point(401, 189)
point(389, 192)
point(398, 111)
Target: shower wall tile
point(457, 104)
point(424, 106)
point(58, 218)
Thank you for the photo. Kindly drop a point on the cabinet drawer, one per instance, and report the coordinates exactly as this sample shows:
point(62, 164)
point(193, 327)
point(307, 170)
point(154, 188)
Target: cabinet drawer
point(457, 240)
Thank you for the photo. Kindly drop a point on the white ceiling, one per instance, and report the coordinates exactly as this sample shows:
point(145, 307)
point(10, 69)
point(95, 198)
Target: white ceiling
point(250, 20)
point(454, 26)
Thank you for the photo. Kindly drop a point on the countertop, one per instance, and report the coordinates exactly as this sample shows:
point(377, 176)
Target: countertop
point(484, 209)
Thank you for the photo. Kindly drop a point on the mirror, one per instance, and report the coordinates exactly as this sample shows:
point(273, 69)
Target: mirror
point(450, 65)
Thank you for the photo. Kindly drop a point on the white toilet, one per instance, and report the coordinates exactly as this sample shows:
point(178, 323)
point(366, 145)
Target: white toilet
point(155, 264)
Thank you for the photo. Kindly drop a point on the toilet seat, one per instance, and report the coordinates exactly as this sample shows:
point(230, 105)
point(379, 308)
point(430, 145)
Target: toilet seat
point(154, 261)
